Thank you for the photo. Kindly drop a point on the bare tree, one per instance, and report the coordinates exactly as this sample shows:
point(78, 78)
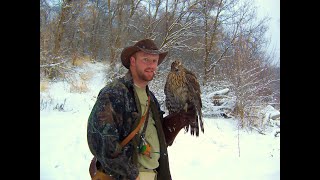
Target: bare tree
point(252, 80)
point(63, 19)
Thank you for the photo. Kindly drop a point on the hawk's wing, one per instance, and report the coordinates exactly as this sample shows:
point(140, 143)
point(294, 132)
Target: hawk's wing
point(195, 99)
point(194, 88)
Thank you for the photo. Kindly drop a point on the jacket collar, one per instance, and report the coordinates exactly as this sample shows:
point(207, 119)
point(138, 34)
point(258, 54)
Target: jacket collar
point(128, 81)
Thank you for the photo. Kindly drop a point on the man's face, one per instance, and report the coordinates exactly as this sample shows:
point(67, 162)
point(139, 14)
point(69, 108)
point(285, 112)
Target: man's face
point(145, 65)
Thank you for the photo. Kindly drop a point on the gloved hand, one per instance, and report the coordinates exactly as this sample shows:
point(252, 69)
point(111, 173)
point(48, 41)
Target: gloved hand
point(173, 123)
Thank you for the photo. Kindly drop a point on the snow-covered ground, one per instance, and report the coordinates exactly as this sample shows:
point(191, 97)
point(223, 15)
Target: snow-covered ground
point(223, 152)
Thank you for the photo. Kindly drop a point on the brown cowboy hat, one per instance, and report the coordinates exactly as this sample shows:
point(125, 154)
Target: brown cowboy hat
point(145, 45)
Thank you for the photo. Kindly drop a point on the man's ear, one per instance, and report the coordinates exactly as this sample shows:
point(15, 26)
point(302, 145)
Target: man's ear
point(132, 61)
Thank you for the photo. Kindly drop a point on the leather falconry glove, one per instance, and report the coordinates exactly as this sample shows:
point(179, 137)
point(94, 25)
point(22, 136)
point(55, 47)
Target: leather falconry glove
point(173, 123)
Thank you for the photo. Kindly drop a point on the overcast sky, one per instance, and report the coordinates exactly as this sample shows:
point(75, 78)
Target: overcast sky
point(271, 8)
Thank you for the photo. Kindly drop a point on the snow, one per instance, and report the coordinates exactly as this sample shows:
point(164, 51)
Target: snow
point(223, 152)
point(271, 112)
point(220, 92)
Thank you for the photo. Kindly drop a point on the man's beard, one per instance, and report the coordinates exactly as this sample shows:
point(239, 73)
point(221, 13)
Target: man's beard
point(143, 76)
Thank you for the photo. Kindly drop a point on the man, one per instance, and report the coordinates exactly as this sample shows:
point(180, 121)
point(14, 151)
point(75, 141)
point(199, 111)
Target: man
point(124, 112)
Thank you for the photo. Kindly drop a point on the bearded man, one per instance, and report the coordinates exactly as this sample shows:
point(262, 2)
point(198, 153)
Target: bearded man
point(126, 132)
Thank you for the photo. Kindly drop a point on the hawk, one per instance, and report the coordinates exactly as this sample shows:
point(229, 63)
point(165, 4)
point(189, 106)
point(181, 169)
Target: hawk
point(182, 91)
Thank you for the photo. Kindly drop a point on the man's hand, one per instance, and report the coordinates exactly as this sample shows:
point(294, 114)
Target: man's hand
point(101, 176)
point(93, 167)
point(97, 174)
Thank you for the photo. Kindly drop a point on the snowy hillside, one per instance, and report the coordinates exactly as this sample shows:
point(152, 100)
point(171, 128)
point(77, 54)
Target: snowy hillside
point(223, 152)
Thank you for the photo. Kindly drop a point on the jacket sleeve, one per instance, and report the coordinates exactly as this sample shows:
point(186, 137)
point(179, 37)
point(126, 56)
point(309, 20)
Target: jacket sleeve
point(104, 139)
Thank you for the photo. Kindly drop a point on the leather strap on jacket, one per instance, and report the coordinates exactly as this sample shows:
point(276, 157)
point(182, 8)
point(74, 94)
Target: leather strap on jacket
point(136, 130)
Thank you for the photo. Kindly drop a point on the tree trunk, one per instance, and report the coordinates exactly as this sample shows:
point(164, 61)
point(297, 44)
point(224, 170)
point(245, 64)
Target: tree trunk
point(65, 10)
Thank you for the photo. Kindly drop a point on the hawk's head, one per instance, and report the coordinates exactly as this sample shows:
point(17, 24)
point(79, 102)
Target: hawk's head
point(175, 66)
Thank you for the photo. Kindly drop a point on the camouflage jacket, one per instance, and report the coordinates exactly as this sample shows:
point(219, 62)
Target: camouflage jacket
point(114, 115)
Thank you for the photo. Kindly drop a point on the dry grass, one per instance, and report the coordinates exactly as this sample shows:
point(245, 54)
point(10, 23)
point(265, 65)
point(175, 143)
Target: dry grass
point(86, 76)
point(79, 60)
point(44, 85)
point(78, 82)
point(78, 86)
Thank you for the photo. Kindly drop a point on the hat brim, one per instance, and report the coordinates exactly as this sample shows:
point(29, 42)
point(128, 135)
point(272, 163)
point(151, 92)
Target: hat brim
point(128, 51)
